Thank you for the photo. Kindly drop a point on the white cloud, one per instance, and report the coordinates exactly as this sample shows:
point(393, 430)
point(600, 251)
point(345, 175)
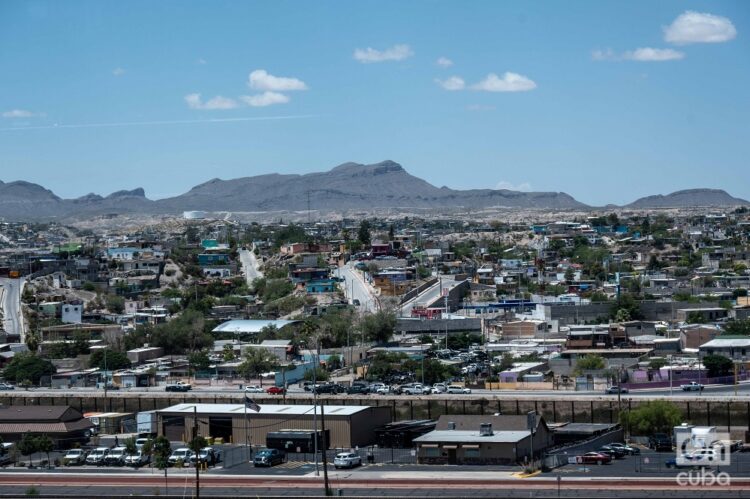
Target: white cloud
point(395, 53)
point(510, 82)
point(265, 99)
point(19, 113)
point(444, 62)
point(261, 80)
point(648, 54)
point(118, 72)
point(452, 83)
point(697, 27)
point(194, 102)
point(642, 54)
point(202, 61)
point(604, 55)
point(504, 184)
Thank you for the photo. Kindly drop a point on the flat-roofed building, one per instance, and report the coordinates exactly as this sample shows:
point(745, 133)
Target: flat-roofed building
point(348, 426)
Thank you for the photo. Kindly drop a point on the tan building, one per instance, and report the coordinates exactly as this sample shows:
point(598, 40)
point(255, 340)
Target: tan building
point(348, 426)
point(695, 335)
point(524, 329)
point(469, 439)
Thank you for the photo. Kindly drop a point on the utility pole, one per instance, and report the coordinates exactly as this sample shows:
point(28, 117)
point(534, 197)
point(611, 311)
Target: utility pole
point(327, 489)
point(315, 411)
point(197, 454)
point(106, 378)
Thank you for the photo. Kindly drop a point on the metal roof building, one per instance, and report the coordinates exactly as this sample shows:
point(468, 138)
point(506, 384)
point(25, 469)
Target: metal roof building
point(349, 425)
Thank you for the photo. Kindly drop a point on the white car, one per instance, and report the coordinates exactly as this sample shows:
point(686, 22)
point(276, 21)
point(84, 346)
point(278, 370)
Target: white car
point(116, 457)
point(347, 460)
point(97, 456)
point(137, 459)
point(375, 387)
point(183, 454)
point(439, 388)
point(254, 389)
point(384, 390)
point(139, 442)
point(74, 456)
point(458, 389)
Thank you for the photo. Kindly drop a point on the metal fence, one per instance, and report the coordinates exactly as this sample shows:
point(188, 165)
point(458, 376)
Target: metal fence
point(234, 456)
point(657, 463)
point(370, 455)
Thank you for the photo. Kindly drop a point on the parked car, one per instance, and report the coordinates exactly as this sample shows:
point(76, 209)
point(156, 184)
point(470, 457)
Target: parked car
point(139, 442)
point(115, 457)
point(328, 388)
point(97, 456)
point(702, 456)
point(411, 389)
point(595, 458)
point(660, 442)
point(207, 455)
point(138, 459)
point(385, 390)
point(347, 460)
point(254, 389)
point(374, 387)
point(178, 387)
point(74, 457)
point(276, 390)
point(692, 387)
point(307, 385)
point(616, 390)
point(358, 388)
point(672, 463)
point(183, 455)
point(629, 449)
point(457, 389)
point(268, 457)
point(7, 386)
point(613, 451)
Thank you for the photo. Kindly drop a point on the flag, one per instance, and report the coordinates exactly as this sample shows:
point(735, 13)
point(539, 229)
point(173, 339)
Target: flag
point(250, 404)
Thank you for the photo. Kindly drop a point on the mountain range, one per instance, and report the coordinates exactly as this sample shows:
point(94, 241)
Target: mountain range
point(350, 186)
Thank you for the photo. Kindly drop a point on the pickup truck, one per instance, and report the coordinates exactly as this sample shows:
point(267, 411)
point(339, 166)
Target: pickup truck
point(692, 387)
point(178, 387)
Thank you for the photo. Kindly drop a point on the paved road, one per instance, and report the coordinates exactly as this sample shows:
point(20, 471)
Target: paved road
point(250, 266)
point(428, 296)
point(11, 305)
point(355, 288)
point(450, 481)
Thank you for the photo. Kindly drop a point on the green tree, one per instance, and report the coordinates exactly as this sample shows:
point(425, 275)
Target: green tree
point(28, 367)
point(320, 374)
point(161, 450)
point(257, 361)
point(27, 446)
point(32, 342)
point(115, 304)
point(657, 363)
point(197, 443)
point(657, 416)
point(363, 235)
point(130, 447)
point(695, 318)
point(378, 327)
point(44, 444)
point(717, 365)
point(589, 363)
point(114, 360)
point(506, 362)
point(199, 361)
point(228, 353)
point(738, 327)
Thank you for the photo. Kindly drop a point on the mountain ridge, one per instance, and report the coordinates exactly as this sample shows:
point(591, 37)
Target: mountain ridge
point(348, 186)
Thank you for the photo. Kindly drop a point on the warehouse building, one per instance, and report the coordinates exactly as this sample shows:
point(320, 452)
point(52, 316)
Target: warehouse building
point(63, 424)
point(348, 426)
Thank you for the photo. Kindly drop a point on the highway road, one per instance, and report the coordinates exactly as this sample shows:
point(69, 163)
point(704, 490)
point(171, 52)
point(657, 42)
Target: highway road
point(355, 288)
point(11, 306)
point(250, 266)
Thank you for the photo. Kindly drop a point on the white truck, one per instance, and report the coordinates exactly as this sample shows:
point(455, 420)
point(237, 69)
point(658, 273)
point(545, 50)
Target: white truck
point(692, 387)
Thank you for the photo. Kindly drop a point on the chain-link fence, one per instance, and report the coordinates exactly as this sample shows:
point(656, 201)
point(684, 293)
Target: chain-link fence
point(234, 456)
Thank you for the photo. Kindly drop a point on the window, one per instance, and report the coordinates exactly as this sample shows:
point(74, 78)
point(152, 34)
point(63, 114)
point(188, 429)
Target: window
point(431, 451)
point(471, 453)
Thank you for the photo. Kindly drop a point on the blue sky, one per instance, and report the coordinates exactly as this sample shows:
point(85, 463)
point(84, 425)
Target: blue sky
point(607, 101)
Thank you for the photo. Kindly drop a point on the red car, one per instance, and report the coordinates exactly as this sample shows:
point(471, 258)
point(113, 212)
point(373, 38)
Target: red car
point(594, 458)
point(275, 390)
